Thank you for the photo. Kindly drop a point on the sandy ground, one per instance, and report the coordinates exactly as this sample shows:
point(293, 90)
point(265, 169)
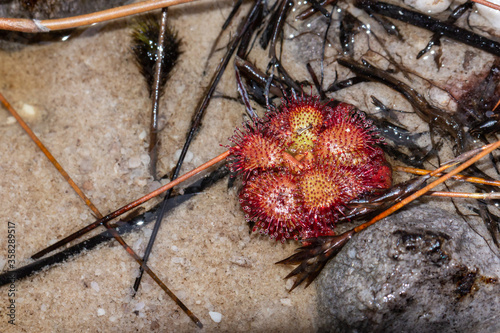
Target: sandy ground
point(87, 102)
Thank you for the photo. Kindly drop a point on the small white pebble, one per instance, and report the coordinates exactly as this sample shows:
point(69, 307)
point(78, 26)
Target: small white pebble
point(154, 185)
point(147, 232)
point(10, 120)
point(97, 272)
point(146, 287)
point(43, 308)
point(112, 319)
point(174, 248)
point(216, 316)
point(429, 6)
point(145, 159)
point(286, 301)
point(241, 261)
point(187, 159)
point(142, 135)
point(139, 306)
point(289, 284)
point(100, 312)
point(178, 260)
point(28, 110)
point(95, 286)
point(490, 14)
point(134, 162)
point(3, 262)
point(137, 243)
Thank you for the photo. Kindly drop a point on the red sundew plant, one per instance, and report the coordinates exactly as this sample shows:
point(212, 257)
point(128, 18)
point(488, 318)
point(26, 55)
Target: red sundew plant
point(303, 166)
point(303, 163)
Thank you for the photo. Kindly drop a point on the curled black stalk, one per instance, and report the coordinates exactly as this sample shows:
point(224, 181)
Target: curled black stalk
point(427, 112)
point(315, 7)
point(277, 23)
point(431, 24)
point(250, 72)
point(454, 16)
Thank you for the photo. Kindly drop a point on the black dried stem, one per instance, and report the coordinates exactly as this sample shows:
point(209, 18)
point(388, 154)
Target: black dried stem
point(251, 72)
point(230, 17)
point(431, 24)
point(316, 82)
point(282, 10)
point(125, 226)
point(323, 46)
point(313, 9)
point(266, 35)
point(156, 50)
point(388, 26)
point(454, 16)
point(159, 84)
point(312, 257)
point(318, 6)
point(254, 14)
point(491, 221)
point(145, 36)
point(277, 22)
point(244, 94)
point(339, 85)
point(284, 76)
point(378, 201)
point(347, 33)
point(427, 112)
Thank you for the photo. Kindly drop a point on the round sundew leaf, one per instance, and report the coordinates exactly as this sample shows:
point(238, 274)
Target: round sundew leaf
point(271, 199)
point(304, 163)
point(256, 152)
point(306, 120)
point(348, 139)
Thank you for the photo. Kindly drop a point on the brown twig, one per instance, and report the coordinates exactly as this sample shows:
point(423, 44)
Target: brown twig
point(485, 151)
point(465, 195)
point(487, 4)
point(469, 179)
point(113, 232)
point(131, 205)
point(34, 26)
point(156, 92)
point(47, 153)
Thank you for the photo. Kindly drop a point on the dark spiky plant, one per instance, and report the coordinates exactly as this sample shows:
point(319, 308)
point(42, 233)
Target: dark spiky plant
point(145, 48)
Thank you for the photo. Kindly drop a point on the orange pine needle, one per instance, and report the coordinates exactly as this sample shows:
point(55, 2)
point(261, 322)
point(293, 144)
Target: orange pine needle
point(487, 4)
point(131, 205)
point(113, 232)
point(477, 180)
point(33, 26)
point(292, 160)
point(465, 195)
point(47, 153)
point(485, 151)
point(496, 105)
